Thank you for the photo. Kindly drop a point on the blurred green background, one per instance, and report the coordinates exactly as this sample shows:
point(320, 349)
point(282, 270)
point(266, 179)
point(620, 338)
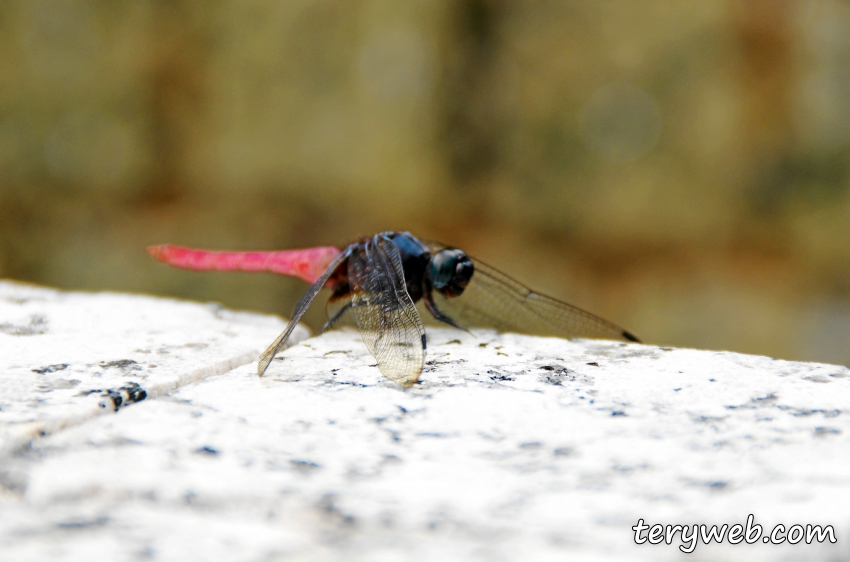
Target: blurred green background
point(680, 168)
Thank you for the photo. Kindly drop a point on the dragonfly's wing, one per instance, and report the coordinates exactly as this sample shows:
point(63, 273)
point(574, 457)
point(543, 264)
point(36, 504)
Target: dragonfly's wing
point(384, 312)
point(494, 300)
point(300, 309)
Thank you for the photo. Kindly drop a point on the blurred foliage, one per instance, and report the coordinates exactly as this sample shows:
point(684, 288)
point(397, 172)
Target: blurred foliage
point(680, 168)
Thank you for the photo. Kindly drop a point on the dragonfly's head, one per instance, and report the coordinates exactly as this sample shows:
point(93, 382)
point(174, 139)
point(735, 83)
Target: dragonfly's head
point(450, 271)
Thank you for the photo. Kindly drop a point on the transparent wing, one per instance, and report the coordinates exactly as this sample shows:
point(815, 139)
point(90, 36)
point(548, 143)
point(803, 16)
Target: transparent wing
point(494, 300)
point(384, 312)
point(300, 308)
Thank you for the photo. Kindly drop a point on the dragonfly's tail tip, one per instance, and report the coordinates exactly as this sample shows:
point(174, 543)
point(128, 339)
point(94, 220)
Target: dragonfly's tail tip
point(158, 251)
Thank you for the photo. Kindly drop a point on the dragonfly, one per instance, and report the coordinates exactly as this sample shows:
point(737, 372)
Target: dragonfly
point(380, 279)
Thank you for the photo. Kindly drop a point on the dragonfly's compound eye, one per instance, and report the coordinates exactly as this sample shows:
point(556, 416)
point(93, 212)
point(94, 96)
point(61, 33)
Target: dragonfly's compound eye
point(450, 271)
point(442, 267)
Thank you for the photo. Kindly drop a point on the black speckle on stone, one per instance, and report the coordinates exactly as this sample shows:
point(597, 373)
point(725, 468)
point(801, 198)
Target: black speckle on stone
point(801, 413)
point(824, 431)
point(482, 344)
point(676, 389)
point(113, 397)
point(206, 450)
point(593, 364)
point(84, 523)
point(558, 375)
point(36, 327)
point(390, 459)
point(352, 383)
point(124, 395)
point(711, 419)
point(50, 368)
point(120, 364)
point(331, 511)
point(618, 413)
point(497, 376)
point(135, 393)
point(710, 380)
point(304, 467)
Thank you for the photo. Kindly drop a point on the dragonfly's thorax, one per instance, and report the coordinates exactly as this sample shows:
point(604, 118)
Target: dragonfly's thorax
point(415, 258)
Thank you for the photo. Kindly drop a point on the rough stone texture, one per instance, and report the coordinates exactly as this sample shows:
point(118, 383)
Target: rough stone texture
point(510, 448)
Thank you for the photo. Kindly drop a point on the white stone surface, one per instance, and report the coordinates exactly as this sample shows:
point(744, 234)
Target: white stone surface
point(510, 448)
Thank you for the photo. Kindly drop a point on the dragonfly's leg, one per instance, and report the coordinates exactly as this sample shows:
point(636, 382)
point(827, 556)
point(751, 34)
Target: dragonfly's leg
point(335, 318)
point(341, 295)
point(438, 314)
